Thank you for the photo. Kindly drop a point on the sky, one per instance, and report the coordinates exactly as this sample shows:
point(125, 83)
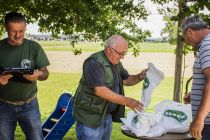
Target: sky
point(154, 22)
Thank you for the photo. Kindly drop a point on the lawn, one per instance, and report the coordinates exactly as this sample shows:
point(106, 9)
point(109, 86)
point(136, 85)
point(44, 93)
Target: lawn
point(50, 90)
point(96, 46)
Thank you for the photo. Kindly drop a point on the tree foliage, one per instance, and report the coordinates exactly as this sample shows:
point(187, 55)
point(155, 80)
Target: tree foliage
point(87, 18)
point(171, 15)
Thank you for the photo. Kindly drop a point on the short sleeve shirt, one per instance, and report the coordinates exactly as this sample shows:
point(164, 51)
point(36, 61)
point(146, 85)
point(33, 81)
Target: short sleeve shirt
point(28, 53)
point(202, 61)
point(95, 77)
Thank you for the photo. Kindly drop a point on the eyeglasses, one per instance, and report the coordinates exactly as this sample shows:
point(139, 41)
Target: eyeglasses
point(120, 54)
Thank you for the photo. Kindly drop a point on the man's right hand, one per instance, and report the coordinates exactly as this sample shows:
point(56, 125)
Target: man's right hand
point(187, 98)
point(134, 104)
point(4, 79)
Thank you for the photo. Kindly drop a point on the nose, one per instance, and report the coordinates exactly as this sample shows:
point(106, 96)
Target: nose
point(121, 56)
point(17, 34)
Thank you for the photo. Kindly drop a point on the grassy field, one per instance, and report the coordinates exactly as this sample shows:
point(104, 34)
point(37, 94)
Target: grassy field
point(50, 90)
point(96, 46)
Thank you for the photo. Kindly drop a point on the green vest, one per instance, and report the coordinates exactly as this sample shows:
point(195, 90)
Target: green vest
point(90, 109)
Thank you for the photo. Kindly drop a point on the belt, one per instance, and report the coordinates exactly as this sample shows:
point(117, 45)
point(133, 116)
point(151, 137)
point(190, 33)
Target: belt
point(19, 102)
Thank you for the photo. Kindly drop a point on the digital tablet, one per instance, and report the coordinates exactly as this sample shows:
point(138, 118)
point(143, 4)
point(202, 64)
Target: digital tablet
point(17, 74)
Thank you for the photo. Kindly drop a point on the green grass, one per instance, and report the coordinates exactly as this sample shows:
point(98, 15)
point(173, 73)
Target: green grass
point(96, 46)
point(157, 47)
point(51, 89)
point(66, 46)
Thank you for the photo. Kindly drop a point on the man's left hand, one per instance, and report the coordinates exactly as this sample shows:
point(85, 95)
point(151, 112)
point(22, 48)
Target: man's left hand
point(142, 74)
point(33, 77)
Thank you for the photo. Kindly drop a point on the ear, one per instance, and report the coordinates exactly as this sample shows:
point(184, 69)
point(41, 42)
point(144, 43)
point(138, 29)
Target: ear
point(109, 50)
point(6, 28)
point(190, 31)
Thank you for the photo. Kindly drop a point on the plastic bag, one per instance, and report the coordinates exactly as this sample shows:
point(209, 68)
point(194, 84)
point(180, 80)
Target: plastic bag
point(143, 124)
point(176, 116)
point(152, 80)
point(168, 117)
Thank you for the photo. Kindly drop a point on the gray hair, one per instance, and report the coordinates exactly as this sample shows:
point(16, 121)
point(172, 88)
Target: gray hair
point(193, 22)
point(114, 40)
point(111, 41)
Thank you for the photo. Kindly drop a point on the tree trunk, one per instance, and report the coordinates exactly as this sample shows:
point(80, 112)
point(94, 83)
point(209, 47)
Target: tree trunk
point(179, 55)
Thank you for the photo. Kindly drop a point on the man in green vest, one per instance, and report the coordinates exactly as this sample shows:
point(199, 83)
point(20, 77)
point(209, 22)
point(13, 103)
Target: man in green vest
point(18, 102)
point(99, 98)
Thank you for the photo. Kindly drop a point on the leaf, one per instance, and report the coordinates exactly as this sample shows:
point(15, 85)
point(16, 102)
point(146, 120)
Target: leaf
point(91, 18)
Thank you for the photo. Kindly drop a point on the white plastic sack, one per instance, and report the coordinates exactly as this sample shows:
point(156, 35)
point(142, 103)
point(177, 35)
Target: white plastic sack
point(152, 80)
point(143, 124)
point(176, 116)
point(168, 116)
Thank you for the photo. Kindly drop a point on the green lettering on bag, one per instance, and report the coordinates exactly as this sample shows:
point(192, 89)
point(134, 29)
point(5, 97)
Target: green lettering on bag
point(178, 115)
point(137, 119)
point(146, 83)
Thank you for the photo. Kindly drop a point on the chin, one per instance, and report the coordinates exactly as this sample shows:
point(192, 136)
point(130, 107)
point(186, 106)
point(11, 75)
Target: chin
point(116, 62)
point(18, 42)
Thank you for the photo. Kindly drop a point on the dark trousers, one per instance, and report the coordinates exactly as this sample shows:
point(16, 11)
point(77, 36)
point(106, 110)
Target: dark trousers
point(206, 132)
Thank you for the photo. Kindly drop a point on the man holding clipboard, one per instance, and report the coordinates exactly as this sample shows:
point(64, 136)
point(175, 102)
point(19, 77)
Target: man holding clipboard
point(23, 62)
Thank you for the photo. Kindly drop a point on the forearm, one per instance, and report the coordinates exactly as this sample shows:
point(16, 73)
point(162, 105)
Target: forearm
point(43, 74)
point(109, 95)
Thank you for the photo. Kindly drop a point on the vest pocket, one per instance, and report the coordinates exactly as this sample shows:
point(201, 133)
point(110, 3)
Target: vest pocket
point(109, 76)
point(91, 103)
